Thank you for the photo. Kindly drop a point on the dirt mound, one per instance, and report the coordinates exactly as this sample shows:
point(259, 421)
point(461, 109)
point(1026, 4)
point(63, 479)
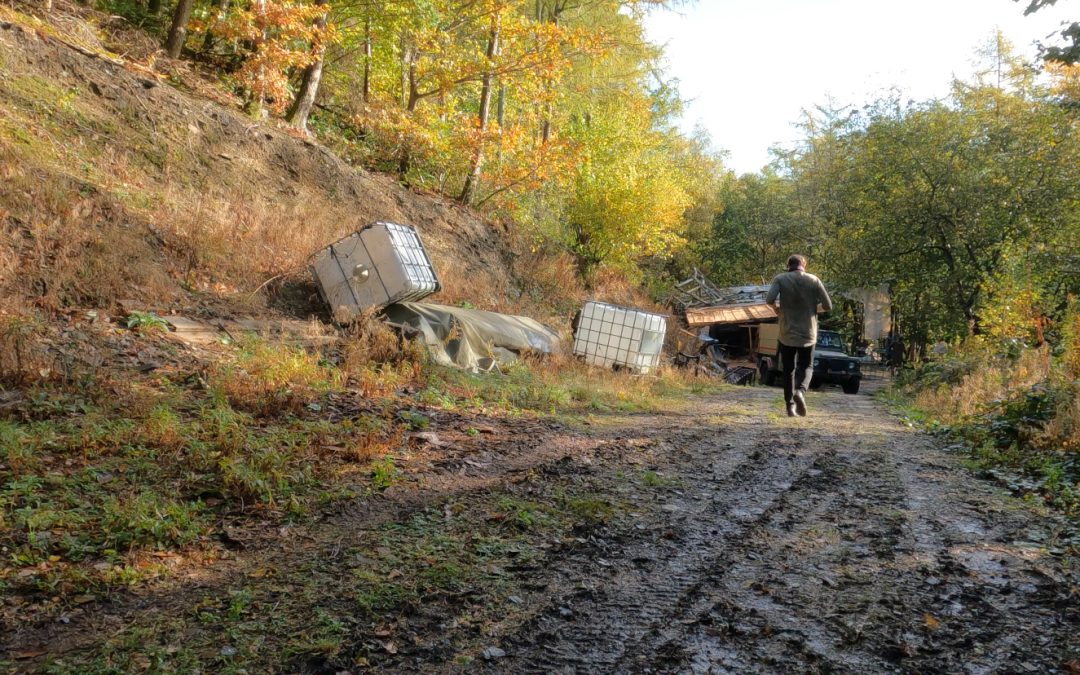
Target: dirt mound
point(118, 186)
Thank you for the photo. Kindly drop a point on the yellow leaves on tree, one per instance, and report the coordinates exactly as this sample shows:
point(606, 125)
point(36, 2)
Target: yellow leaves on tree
point(544, 110)
point(521, 163)
point(629, 197)
point(1065, 79)
point(430, 71)
point(534, 59)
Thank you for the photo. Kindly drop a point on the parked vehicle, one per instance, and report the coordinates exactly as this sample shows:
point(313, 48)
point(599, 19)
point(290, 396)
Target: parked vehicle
point(832, 365)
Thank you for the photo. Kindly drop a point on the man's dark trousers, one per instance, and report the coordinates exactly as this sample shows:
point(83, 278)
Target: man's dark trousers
point(795, 363)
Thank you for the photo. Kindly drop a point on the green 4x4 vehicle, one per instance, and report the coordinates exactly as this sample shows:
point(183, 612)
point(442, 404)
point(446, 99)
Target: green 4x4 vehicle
point(832, 365)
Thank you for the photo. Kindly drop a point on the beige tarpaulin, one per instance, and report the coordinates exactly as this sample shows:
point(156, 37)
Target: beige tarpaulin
point(473, 339)
point(877, 314)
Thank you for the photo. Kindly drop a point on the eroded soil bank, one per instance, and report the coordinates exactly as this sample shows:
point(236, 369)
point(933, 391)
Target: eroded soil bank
point(718, 537)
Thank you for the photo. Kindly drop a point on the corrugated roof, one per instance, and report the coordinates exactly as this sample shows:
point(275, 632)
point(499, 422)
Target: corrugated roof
point(733, 295)
point(708, 316)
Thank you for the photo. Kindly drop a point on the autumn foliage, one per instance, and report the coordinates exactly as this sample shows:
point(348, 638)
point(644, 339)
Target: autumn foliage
point(271, 39)
point(545, 112)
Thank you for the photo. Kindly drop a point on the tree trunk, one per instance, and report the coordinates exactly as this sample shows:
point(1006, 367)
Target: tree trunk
point(552, 17)
point(411, 96)
point(178, 31)
point(305, 98)
point(473, 178)
point(500, 107)
point(367, 59)
point(404, 70)
point(309, 85)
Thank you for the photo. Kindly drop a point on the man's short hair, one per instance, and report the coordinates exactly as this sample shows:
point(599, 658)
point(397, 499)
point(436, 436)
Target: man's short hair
point(795, 262)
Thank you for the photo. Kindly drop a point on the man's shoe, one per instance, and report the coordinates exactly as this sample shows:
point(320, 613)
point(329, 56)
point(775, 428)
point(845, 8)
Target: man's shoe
point(800, 404)
point(791, 410)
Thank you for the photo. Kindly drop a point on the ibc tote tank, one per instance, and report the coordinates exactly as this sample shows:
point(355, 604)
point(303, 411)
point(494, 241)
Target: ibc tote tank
point(608, 335)
point(378, 265)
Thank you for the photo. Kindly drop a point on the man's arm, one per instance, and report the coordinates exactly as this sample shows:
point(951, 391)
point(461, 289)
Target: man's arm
point(774, 291)
point(823, 297)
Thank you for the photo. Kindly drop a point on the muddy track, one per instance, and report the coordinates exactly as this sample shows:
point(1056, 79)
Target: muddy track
point(843, 542)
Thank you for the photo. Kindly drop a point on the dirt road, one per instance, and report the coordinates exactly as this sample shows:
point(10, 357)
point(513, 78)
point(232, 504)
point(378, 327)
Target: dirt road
point(725, 537)
point(842, 542)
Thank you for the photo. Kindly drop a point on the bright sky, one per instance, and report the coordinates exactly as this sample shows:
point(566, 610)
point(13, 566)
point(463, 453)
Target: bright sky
point(749, 67)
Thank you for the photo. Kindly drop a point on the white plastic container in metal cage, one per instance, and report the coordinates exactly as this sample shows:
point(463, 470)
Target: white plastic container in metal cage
point(378, 265)
point(609, 335)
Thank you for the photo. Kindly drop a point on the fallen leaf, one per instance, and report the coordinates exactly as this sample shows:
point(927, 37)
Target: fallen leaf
point(492, 653)
point(141, 661)
point(431, 438)
point(931, 622)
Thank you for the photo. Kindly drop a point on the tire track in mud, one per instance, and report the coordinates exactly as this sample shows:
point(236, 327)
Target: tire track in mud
point(855, 571)
point(753, 611)
point(839, 543)
point(728, 490)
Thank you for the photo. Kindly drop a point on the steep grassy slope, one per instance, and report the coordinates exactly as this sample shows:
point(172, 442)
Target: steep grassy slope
point(116, 185)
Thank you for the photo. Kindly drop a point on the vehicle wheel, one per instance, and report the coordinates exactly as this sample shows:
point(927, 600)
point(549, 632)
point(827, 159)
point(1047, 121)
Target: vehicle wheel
point(767, 376)
point(852, 386)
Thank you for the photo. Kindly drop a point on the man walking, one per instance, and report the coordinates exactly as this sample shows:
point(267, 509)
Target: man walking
point(800, 295)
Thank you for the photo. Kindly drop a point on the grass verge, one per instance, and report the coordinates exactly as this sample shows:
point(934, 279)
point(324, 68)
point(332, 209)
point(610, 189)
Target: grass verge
point(356, 605)
point(1017, 416)
point(563, 387)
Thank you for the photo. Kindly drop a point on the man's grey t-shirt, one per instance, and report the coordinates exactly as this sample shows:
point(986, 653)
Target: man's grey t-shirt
point(800, 293)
